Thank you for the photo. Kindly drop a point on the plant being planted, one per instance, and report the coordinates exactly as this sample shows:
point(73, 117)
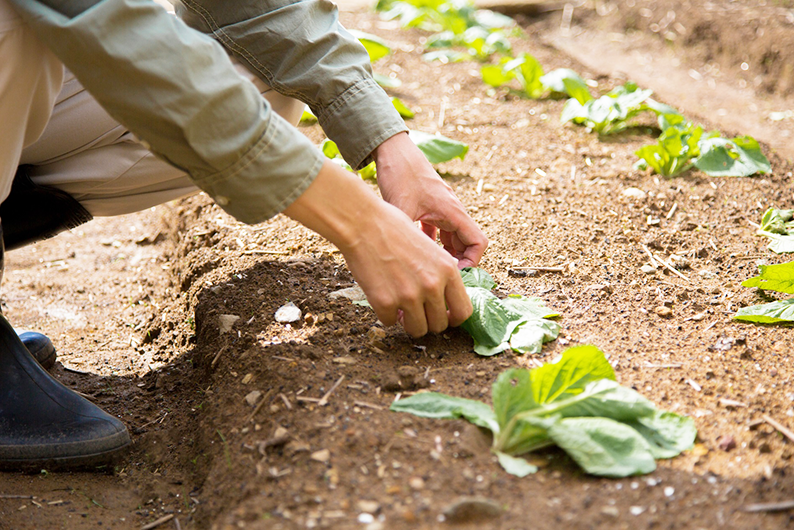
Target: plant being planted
point(574, 403)
point(514, 323)
point(779, 278)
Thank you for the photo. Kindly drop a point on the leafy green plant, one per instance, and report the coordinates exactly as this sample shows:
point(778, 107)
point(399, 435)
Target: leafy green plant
point(676, 149)
point(613, 112)
point(514, 323)
point(566, 81)
point(778, 226)
point(525, 68)
point(479, 43)
point(574, 403)
point(740, 157)
point(779, 278)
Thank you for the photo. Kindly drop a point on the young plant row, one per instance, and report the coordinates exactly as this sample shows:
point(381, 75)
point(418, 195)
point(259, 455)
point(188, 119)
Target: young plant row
point(483, 34)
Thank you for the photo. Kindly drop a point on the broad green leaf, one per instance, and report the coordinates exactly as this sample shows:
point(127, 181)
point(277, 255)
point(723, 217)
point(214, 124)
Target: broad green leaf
point(476, 277)
point(600, 398)
point(511, 394)
point(330, 149)
point(494, 75)
point(667, 433)
point(604, 447)
point(490, 351)
point(778, 278)
point(530, 335)
point(740, 157)
point(661, 109)
point(567, 376)
point(442, 406)
point(404, 111)
point(528, 306)
point(771, 313)
point(515, 465)
point(491, 322)
point(438, 148)
point(781, 244)
point(566, 81)
point(376, 47)
point(368, 172)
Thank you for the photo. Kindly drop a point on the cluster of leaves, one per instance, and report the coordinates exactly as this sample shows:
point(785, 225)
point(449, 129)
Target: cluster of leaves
point(778, 226)
point(612, 112)
point(456, 24)
point(682, 145)
point(574, 403)
point(435, 147)
point(515, 323)
point(779, 278)
point(534, 84)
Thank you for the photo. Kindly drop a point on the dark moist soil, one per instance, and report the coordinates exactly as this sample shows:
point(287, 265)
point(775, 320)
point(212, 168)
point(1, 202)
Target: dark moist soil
point(227, 426)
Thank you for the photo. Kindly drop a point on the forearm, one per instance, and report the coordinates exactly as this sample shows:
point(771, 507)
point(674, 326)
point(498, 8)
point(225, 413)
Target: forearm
point(301, 50)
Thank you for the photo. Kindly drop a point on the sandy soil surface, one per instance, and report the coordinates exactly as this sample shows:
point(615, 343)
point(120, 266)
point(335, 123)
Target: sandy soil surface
point(226, 424)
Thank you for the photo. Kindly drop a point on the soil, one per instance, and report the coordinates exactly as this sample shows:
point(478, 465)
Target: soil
point(227, 427)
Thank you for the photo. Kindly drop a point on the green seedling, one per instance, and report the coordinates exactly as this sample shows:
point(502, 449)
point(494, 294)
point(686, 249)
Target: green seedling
point(613, 112)
point(779, 278)
point(778, 226)
point(525, 68)
point(514, 323)
point(676, 149)
point(566, 81)
point(574, 403)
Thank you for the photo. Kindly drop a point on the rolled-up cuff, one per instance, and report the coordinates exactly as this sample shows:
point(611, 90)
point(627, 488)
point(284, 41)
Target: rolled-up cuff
point(269, 177)
point(359, 120)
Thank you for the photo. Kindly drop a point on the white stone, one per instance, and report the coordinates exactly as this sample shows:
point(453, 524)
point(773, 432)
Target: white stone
point(289, 312)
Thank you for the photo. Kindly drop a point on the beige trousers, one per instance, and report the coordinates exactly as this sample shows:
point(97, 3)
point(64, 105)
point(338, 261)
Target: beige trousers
point(47, 120)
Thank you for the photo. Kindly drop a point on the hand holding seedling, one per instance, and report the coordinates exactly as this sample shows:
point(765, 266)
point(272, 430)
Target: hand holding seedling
point(404, 274)
point(408, 181)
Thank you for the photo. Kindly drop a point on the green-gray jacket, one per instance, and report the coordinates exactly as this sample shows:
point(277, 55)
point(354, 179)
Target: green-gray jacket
point(177, 90)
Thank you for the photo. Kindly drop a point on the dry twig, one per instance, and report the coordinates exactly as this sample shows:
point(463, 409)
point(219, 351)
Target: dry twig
point(782, 429)
point(324, 400)
point(769, 506)
point(158, 522)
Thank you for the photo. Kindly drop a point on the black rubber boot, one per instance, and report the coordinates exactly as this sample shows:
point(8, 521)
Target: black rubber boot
point(43, 424)
point(40, 347)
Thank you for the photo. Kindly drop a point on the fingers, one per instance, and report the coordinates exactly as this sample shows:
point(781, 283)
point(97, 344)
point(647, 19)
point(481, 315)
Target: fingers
point(458, 302)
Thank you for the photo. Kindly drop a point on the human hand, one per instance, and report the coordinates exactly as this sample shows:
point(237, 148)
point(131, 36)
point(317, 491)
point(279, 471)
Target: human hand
point(408, 181)
point(406, 276)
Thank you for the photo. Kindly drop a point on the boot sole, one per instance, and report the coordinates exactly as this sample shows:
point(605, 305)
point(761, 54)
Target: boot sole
point(89, 461)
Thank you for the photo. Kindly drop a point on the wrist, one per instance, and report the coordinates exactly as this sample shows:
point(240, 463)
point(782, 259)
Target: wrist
point(334, 206)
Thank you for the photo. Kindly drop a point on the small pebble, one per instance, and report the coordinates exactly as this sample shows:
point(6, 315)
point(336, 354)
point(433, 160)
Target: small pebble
point(366, 518)
point(253, 397)
point(648, 269)
point(288, 313)
point(668, 491)
point(726, 442)
point(636, 510)
point(323, 455)
point(226, 322)
point(663, 311)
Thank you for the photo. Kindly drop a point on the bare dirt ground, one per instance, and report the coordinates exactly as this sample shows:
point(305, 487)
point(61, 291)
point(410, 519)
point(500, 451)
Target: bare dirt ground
point(226, 425)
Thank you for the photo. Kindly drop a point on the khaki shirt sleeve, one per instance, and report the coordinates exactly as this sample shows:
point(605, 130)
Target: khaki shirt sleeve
point(177, 90)
point(299, 48)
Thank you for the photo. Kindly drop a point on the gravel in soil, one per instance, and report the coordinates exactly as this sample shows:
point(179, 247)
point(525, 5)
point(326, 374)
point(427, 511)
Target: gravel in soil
point(167, 319)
